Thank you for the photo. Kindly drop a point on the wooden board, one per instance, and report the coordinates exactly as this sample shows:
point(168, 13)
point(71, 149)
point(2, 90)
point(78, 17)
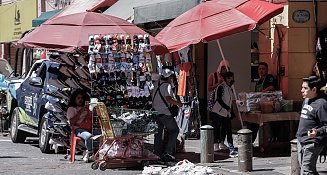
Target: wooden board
point(104, 120)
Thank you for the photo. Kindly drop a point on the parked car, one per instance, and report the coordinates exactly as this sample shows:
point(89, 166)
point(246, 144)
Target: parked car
point(27, 99)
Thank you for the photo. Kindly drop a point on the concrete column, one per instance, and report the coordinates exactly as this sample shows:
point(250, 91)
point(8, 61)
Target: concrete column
point(295, 166)
point(206, 140)
point(245, 150)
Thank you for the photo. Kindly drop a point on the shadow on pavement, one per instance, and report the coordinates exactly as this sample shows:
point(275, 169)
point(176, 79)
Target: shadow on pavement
point(195, 157)
point(11, 157)
point(191, 156)
point(277, 153)
point(265, 169)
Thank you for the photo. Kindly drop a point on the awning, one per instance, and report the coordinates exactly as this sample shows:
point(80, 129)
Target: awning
point(162, 11)
point(125, 8)
point(79, 6)
point(43, 17)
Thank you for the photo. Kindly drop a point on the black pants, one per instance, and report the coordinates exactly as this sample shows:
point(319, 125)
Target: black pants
point(173, 130)
point(223, 123)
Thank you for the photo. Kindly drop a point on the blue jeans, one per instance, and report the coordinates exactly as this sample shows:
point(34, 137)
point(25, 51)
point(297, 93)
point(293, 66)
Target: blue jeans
point(86, 136)
point(308, 155)
point(170, 123)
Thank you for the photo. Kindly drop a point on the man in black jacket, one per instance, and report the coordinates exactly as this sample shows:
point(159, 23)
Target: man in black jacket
point(311, 133)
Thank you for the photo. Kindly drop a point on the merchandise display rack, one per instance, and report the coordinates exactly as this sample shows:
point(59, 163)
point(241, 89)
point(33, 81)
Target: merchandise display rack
point(120, 67)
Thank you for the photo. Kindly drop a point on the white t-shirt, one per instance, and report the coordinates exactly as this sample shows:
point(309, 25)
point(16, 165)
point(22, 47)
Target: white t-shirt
point(158, 104)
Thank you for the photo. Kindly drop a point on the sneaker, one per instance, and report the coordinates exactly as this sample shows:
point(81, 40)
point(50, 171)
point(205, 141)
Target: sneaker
point(87, 157)
point(216, 147)
point(233, 154)
point(222, 146)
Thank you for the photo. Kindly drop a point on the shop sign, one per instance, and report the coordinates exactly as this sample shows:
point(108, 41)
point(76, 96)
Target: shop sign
point(301, 16)
point(57, 4)
point(17, 18)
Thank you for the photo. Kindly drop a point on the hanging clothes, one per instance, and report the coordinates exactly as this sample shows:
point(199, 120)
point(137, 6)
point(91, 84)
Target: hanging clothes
point(184, 69)
point(182, 119)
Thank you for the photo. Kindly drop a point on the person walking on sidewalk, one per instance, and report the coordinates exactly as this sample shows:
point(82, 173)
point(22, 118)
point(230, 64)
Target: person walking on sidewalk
point(214, 80)
point(311, 132)
point(221, 112)
point(163, 99)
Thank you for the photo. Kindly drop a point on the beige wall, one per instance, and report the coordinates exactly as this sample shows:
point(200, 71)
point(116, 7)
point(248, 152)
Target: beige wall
point(301, 46)
point(298, 50)
point(237, 50)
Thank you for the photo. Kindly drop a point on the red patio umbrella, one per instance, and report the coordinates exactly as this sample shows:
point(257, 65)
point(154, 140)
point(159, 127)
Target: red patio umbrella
point(211, 20)
point(71, 32)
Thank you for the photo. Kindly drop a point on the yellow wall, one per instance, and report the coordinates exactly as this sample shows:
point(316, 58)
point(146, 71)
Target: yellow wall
point(24, 12)
point(300, 43)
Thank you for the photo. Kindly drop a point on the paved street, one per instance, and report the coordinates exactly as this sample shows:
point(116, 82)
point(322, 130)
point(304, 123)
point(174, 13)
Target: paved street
point(27, 159)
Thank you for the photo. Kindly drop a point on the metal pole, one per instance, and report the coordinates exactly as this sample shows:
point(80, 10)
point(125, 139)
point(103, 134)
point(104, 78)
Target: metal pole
point(207, 153)
point(245, 150)
point(234, 91)
point(204, 119)
point(295, 166)
point(9, 54)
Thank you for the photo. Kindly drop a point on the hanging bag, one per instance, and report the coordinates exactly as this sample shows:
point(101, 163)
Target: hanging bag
point(212, 98)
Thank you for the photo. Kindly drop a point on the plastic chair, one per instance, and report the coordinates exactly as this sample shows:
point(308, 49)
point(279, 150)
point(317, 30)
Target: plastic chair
point(73, 141)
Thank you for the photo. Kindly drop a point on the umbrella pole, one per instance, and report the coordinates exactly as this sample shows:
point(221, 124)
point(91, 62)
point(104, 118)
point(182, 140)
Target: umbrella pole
point(234, 92)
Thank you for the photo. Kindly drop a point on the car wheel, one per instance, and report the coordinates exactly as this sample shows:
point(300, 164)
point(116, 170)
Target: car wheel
point(44, 136)
point(16, 135)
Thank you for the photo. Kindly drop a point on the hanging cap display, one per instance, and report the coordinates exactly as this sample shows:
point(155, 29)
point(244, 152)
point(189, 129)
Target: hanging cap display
point(167, 73)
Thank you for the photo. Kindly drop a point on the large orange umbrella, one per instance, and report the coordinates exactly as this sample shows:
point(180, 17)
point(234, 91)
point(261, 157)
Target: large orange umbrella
point(70, 33)
point(211, 20)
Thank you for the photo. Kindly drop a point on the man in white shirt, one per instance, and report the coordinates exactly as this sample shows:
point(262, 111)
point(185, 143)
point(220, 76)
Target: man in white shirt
point(163, 98)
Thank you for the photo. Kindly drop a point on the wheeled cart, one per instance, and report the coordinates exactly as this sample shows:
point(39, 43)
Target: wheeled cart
point(123, 148)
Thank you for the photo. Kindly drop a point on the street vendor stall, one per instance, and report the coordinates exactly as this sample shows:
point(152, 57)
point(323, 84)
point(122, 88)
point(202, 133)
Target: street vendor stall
point(264, 109)
point(186, 89)
point(114, 69)
point(121, 67)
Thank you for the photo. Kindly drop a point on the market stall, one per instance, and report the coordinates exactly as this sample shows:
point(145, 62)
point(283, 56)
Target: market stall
point(182, 62)
point(115, 69)
point(121, 70)
point(265, 109)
